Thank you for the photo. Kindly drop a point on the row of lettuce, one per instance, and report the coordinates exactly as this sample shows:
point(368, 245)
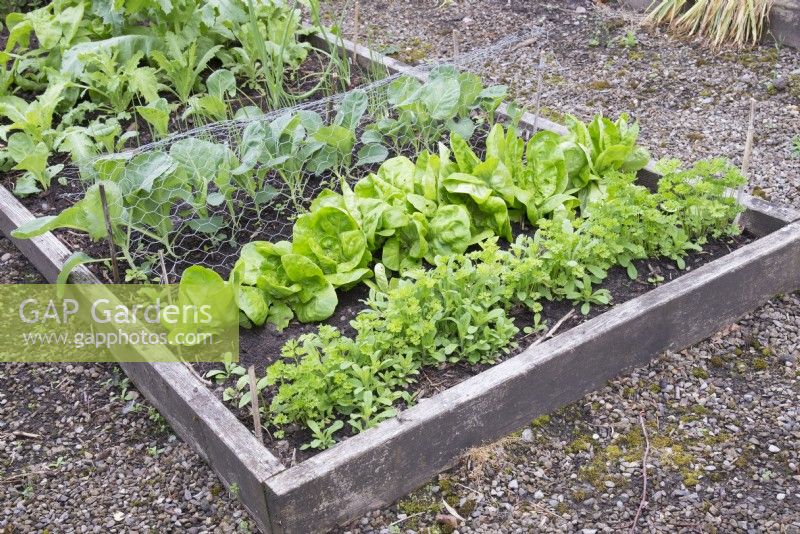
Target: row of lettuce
point(439, 205)
point(75, 75)
point(435, 225)
point(459, 310)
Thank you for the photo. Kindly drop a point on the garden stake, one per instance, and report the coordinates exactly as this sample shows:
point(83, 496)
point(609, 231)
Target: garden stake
point(355, 25)
point(251, 375)
point(112, 249)
point(645, 457)
point(748, 153)
point(455, 44)
point(748, 145)
point(164, 274)
point(538, 91)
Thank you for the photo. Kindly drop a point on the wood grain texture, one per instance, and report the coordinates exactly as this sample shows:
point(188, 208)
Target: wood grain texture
point(374, 468)
point(191, 409)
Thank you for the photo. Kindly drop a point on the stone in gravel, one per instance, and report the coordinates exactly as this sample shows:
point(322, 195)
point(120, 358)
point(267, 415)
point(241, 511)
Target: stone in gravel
point(774, 448)
point(527, 435)
point(5, 257)
point(513, 484)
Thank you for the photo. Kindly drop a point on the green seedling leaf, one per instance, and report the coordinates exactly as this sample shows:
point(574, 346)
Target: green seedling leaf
point(352, 108)
point(86, 215)
point(371, 154)
point(157, 115)
point(441, 97)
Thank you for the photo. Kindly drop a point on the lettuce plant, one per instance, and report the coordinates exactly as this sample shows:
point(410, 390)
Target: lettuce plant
point(273, 283)
point(457, 311)
point(601, 146)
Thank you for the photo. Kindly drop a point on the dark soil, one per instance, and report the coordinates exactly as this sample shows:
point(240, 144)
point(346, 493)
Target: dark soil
point(261, 346)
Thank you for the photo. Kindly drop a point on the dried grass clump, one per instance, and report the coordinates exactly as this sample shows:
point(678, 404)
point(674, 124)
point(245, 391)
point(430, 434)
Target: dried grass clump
point(740, 22)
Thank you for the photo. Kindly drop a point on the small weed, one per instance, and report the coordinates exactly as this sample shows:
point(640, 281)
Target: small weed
point(691, 477)
point(580, 444)
point(629, 40)
point(759, 192)
point(234, 490)
point(553, 79)
point(418, 506)
point(27, 491)
point(414, 51)
point(157, 419)
point(600, 85)
point(796, 146)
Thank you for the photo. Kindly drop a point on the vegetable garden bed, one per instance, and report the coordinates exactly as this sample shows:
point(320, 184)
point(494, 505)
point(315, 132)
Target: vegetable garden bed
point(375, 467)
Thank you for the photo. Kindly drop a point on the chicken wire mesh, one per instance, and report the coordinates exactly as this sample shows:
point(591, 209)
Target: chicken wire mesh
point(197, 196)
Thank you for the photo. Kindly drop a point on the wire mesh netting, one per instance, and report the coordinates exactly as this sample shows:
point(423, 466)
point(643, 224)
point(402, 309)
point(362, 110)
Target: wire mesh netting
point(196, 197)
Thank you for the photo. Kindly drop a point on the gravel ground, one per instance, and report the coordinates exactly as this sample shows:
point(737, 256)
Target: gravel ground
point(721, 419)
point(81, 452)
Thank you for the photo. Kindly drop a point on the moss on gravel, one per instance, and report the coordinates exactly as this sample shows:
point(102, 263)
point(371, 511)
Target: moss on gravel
point(699, 372)
point(414, 50)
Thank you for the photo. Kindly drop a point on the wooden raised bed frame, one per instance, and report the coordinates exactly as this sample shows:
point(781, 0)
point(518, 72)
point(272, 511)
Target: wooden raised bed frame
point(376, 467)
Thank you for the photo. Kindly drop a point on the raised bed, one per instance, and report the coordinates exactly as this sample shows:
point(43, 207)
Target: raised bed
point(374, 468)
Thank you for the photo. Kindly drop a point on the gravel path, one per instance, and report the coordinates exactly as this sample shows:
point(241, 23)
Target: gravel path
point(100, 459)
point(721, 418)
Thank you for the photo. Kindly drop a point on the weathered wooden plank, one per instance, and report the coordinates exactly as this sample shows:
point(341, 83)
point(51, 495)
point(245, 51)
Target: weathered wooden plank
point(192, 410)
point(374, 468)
